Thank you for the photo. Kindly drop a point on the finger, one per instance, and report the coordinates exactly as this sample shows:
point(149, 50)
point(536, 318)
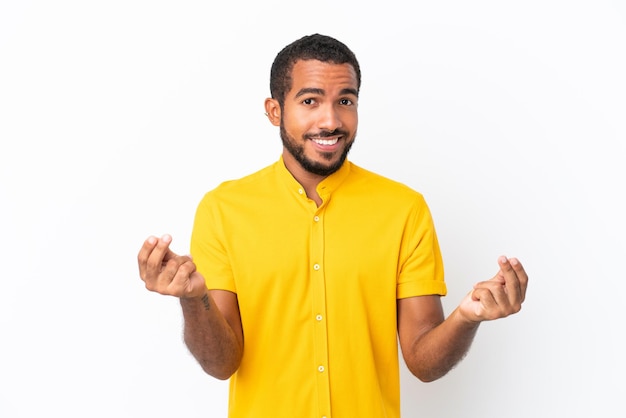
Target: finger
point(182, 283)
point(494, 300)
point(144, 254)
point(496, 289)
point(159, 255)
point(512, 282)
point(521, 275)
point(172, 271)
point(486, 303)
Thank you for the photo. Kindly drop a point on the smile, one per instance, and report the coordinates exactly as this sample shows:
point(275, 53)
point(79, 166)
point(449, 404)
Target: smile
point(321, 141)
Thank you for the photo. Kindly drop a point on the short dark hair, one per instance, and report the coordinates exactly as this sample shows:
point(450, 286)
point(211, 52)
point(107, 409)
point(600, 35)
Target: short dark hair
point(311, 47)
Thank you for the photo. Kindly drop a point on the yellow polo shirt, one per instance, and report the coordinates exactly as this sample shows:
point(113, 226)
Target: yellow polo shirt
point(317, 287)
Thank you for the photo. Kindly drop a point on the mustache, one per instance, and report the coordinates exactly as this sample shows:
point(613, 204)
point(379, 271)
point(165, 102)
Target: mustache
point(324, 134)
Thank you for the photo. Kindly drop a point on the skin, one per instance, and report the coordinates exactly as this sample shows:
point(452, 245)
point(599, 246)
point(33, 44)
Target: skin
point(322, 101)
point(213, 331)
point(322, 104)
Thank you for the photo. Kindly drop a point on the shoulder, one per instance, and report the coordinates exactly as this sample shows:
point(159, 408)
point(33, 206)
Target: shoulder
point(265, 174)
point(382, 186)
point(247, 185)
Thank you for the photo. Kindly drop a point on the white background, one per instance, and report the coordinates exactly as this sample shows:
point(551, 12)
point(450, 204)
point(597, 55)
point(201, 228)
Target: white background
point(117, 116)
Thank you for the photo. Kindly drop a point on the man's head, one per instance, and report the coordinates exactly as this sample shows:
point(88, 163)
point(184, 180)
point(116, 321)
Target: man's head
point(311, 47)
point(315, 84)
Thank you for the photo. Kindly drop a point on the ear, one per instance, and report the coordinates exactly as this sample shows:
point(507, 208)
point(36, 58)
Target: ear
point(272, 111)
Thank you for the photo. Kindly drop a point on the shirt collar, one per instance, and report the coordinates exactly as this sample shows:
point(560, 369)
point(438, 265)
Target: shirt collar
point(324, 188)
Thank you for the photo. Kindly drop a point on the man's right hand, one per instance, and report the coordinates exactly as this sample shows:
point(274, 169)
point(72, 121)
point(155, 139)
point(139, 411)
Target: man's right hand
point(168, 273)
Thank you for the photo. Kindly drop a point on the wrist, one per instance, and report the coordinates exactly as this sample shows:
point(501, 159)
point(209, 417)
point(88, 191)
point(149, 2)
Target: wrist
point(464, 320)
point(203, 301)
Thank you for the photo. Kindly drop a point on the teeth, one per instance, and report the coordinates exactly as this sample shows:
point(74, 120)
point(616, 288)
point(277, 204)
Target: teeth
point(326, 141)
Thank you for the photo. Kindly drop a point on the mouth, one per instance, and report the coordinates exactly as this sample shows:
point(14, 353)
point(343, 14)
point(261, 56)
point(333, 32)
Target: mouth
point(326, 142)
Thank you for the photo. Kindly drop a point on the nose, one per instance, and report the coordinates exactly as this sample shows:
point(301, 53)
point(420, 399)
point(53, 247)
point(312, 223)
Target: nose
point(329, 118)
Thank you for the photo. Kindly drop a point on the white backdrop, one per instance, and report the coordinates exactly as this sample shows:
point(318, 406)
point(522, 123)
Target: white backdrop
point(117, 116)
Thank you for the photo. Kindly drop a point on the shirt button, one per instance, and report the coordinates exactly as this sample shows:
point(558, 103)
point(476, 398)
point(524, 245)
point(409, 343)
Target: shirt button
point(320, 369)
point(316, 218)
point(318, 317)
point(316, 266)
point(300, 191)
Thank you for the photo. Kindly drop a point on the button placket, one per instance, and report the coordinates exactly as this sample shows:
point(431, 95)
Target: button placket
point(318, 314)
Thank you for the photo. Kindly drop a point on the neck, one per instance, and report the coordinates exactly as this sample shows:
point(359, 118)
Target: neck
point(307, 179)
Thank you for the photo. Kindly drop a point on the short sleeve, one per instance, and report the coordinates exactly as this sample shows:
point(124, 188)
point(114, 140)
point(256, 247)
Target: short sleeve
point(421, 265)
point(208, 245)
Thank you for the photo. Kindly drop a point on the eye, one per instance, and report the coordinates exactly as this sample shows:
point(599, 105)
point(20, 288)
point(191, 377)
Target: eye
point(345, 102)
point(308, 101)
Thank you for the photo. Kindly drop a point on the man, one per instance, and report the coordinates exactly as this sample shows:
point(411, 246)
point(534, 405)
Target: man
point(305, 274)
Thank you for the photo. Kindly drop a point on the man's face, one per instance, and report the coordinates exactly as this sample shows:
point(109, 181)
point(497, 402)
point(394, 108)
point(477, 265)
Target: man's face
point(319, 119)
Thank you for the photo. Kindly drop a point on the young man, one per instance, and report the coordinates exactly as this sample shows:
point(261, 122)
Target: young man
point(305, 273)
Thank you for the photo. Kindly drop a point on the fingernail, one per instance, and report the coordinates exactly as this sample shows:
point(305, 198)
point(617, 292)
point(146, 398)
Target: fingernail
point(151, 240)
point(166, 238)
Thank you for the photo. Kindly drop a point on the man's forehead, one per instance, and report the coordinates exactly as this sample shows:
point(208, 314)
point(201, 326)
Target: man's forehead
point(317, 74)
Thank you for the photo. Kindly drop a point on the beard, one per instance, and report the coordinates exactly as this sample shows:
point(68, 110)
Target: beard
point(314, 167)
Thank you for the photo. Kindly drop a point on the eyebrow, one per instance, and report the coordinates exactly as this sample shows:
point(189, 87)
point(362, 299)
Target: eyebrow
point(321, 92)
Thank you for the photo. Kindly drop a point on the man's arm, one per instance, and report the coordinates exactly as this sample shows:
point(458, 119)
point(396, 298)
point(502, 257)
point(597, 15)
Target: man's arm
point(432, 346)
point(213, 331)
